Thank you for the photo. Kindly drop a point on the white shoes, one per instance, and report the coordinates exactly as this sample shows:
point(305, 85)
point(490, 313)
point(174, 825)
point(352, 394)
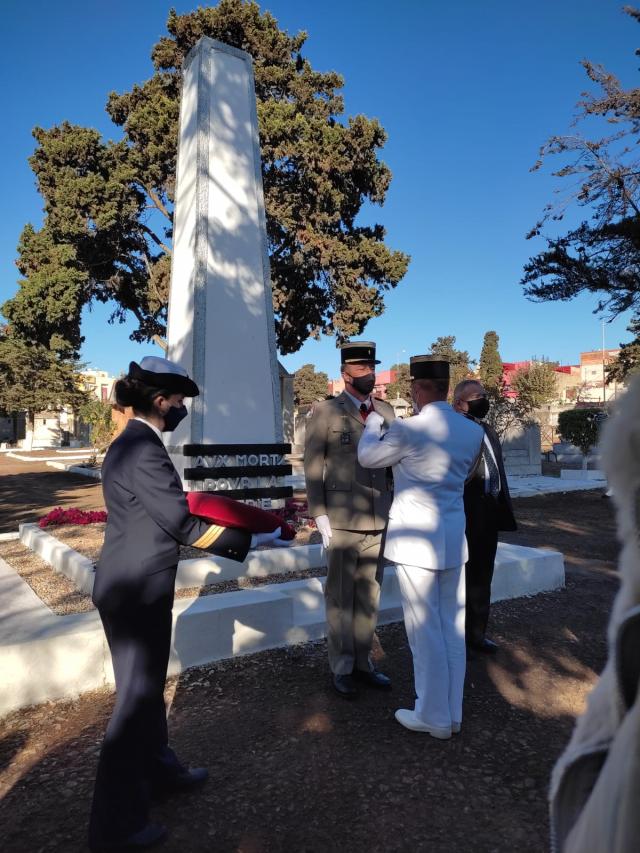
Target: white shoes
point(409, 720)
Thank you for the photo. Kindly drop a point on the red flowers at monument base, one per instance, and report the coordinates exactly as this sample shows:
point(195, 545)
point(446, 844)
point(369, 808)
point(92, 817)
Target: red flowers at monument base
point(72, 516)
point(295, 513)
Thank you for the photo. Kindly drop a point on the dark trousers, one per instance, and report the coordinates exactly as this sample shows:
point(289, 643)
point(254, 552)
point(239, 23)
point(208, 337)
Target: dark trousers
point(482, 539)
point(135, 755)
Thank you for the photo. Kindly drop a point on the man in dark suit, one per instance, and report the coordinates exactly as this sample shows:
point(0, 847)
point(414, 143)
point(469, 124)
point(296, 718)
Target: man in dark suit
point(488, 509)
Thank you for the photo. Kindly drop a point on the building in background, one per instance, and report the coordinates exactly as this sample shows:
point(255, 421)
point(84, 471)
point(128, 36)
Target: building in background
point(335, 386)
point(593, 387)
point(401, 408)
point(509, 370)
point(568, 383)
point(58, 427)
point(98, 383)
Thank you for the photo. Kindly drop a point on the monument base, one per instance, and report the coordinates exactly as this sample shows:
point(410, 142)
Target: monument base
point(47, 657)
point(246, 472)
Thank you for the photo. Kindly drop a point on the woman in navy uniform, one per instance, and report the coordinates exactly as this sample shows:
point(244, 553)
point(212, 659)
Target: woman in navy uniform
point(148, 518)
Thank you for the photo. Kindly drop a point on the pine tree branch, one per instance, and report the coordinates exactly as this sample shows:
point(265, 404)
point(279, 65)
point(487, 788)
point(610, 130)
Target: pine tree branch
point(157, 201)
point(155, 238)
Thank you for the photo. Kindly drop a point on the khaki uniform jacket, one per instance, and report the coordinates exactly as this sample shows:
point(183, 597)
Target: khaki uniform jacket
point(354, 498)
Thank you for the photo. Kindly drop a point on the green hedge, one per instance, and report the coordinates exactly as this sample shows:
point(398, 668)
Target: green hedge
point(581, 427)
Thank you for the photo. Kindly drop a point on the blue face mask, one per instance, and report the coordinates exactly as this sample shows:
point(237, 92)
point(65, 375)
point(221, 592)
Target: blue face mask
point(173, 417)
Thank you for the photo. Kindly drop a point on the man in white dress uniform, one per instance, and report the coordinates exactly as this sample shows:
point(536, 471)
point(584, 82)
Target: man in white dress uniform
point(432, 454)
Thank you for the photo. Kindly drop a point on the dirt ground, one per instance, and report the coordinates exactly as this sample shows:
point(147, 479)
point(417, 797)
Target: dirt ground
point(298, 770)
point(28, 490)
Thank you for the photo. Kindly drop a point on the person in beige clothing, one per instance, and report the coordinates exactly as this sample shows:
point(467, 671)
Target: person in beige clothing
point(350, 505)
point(595, 785)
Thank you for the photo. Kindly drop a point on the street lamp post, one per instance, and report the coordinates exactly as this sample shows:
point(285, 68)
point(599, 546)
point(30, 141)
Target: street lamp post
point(398, 372)
point(604, 377)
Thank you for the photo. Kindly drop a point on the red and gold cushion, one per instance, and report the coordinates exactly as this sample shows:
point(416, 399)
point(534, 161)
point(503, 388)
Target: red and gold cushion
point(229, 513)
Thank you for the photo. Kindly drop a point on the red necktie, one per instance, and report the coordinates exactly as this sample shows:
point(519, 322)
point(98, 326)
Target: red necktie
point(365, 411)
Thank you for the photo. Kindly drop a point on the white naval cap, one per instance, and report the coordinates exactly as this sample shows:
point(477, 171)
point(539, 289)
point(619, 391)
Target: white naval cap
point(162, 373)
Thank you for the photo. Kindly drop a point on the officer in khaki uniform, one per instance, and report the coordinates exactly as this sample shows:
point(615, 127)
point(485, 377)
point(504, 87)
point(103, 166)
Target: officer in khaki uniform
point(350, 505)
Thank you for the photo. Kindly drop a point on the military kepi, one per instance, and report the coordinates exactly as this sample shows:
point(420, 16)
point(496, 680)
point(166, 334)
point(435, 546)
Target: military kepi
point(164, 374)
point(428, 367)
point(356, 351)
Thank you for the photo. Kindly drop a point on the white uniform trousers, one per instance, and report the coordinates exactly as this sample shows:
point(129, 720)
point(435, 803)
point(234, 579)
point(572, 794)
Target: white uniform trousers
point(433, 605)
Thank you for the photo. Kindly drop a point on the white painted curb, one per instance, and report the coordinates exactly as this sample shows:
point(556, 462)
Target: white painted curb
point(95, 473)
point(64, 559)
point(44, 657)
point(7, 537)
point(201, 571)
point(195, 572)
point(581, 474)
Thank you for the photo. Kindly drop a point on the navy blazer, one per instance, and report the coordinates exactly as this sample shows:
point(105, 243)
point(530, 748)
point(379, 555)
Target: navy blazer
point(475, 499)
point(148, 520)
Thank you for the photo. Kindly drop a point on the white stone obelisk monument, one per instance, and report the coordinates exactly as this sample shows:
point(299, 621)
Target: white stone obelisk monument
point(221, 325)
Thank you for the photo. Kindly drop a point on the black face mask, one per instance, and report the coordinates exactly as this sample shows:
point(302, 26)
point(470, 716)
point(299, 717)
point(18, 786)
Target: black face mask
point(173, 417)
point(478, 408)
point(364, 384)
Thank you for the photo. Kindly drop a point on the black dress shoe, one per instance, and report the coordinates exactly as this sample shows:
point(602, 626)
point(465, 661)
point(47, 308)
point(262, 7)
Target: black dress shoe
point(486, 646)
point(148, 836)
point(183, 781)
point(372, 678)
point(344, 686)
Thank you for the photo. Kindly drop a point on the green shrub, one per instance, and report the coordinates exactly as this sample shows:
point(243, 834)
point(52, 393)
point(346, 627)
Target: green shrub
point(581, 428)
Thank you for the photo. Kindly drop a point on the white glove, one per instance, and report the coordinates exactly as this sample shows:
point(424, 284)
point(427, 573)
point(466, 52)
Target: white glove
point(323, 525)
point(264, 538)
point(374, 421)
point(283, 543)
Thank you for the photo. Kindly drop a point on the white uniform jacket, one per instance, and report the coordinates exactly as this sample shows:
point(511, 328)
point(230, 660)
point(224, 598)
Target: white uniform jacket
point(432, 455)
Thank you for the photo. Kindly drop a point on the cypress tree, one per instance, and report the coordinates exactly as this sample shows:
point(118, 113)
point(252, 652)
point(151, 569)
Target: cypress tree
point(490, 361)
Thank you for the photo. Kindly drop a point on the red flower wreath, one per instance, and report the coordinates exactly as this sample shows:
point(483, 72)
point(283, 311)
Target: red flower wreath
point(72, 516)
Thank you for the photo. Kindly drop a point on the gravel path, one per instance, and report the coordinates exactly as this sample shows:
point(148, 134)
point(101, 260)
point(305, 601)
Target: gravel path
point(295, 768)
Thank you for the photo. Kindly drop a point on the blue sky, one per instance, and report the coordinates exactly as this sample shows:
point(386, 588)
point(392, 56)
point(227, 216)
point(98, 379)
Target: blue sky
point(467, 92)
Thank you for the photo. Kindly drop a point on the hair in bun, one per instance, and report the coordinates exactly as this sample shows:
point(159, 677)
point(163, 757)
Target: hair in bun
point(135, 394)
